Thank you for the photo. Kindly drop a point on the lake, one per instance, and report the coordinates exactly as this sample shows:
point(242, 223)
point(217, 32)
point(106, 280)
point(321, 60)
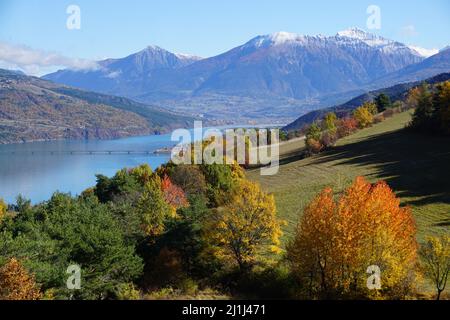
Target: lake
point(37, 169)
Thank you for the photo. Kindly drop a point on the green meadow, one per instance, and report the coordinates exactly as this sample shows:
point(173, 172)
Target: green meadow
point(415, 166)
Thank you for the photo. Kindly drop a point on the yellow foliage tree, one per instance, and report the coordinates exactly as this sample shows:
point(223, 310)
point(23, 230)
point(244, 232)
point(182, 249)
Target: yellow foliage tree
point(16, 283)
point(3, 208)
point(153, 208)
point(247, 226)
point(372, 107)
point(363, 116)
point(337, 240)
point(436, 258)
point(330, 123)
point(412, 100)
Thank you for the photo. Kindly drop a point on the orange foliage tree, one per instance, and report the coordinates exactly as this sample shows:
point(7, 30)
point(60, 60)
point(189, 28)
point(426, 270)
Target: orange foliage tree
point(16, 283)
point(347, 126)
point(337, 240)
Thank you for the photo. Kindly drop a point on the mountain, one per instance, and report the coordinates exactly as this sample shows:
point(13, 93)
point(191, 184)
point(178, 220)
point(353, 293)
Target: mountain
point(397, 92)
point(35, 109)
point(129, 76)
point(271, 77)
point(438, 63)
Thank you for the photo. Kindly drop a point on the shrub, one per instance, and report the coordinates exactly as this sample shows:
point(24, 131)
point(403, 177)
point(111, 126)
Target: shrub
point(388, 113)
point(127, 291)
point(347, 126)
point(379, 118)
point(328, 139)
point(313, 146)
point(363, 116)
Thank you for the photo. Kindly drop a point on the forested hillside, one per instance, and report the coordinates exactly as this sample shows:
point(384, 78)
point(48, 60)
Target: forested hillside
point(33, 109)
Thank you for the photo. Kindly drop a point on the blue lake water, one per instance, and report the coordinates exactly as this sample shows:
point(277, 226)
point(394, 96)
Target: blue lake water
point(36, 170)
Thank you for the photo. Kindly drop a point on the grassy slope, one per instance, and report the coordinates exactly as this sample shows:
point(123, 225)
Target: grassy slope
point(415, 166)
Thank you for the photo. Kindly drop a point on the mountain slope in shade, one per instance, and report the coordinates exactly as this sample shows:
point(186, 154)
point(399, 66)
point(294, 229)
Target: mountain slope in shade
point(277, 76)
point(397, 92)
point(35, 109)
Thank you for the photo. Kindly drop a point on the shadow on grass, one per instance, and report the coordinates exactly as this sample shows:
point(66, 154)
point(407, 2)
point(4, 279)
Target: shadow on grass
point(413, 165)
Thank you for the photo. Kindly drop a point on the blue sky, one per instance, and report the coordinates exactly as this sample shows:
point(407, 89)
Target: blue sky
point(116, 28)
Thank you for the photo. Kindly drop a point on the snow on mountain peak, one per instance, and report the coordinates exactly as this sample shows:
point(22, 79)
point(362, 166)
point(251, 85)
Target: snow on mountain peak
point(283, 37)
point(355, 33)
point(187, 56)
point(366, 37)
point(423, 52)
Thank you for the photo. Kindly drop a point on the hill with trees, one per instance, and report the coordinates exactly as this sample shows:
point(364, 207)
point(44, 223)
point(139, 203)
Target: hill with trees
point(394, 93)
point(33, 109)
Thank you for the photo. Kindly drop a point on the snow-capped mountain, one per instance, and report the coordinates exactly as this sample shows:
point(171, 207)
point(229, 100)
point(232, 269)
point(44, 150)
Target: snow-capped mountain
point(426, 53)
point(295, 66)
point(436, 64)
point(126, 75)
point(277, 69)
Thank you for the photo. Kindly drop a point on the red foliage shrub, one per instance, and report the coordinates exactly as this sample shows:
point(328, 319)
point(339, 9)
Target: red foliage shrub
point(347, 126)
point(173, 194)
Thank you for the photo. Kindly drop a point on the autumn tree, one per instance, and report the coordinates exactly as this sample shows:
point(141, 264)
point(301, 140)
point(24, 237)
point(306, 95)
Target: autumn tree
point(413, 97)
point(173, 194)
point(436, 261)
point(313, 137)
point(423, 114)
point(314, 132)
point(347, 126)
point(337, 240)
point(372, 107)
point(246, 227)
point(153, 208)
point(441, 101)
point(329, 122)
point(3, 208)
point(16, 283)
point(190, 178)
point(363, 116)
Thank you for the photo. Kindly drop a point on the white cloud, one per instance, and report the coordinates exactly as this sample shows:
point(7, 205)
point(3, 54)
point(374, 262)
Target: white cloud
point(38, 62)
point(114, 74)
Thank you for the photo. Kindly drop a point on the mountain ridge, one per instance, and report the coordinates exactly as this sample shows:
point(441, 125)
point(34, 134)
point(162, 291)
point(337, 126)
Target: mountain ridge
point(270, 77)
point(396, 92)
point(32, 109)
